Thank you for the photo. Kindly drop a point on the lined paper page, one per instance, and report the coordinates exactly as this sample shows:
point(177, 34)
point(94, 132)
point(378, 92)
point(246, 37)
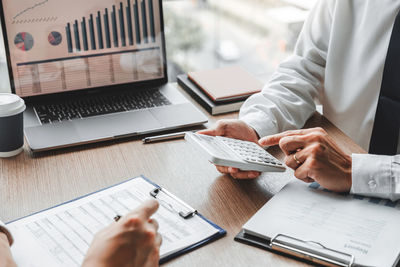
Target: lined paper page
point(63, 234)
point(363, 227)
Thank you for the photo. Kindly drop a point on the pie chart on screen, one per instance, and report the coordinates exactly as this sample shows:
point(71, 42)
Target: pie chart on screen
point(24, 41)
point(55, 38)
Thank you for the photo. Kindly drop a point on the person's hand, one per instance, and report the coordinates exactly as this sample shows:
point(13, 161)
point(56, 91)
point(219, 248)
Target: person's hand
point(4, 239)
point(239, 130)
point(132, 241)
point(6, 259)
point(315, 157)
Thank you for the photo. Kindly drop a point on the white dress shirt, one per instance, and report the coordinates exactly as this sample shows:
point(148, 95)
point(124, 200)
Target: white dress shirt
point(339, 59)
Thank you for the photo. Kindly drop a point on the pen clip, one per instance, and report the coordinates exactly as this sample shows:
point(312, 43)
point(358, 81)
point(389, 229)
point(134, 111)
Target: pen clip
point(184, 214)
point(312, 251)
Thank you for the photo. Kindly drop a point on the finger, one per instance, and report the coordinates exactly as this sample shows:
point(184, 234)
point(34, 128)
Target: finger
point(3, 238)
point(154, 224)
point(222, 169)
point(217, 130)
point(246, 175)
point(303, 171)
point(152, 259)
point(273, 140)
point(310, 180)
point(226, 170)
point(307, 180)
point(145, 210)
point(291, 162)
point(290, 144)
point(212, 132)
point(301, 157)
point(158, 240)
point(153, 252)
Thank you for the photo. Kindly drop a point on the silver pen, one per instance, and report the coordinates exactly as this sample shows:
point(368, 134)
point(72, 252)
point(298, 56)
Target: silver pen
point(163, 137)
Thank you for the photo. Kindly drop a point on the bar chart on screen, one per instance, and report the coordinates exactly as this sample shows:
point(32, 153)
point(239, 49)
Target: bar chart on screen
point(92, 43)
point(127, 24)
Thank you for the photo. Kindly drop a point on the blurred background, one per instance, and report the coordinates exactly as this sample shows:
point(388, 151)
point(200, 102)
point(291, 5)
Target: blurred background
point(256, 34)
point(205, 34)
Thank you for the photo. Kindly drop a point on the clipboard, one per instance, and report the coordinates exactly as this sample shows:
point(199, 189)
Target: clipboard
point(186, 214)
point(307, 251)
point(309, 223)
point(161, 194)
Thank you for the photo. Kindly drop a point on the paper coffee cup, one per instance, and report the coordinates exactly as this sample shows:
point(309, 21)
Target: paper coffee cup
point(12, 108)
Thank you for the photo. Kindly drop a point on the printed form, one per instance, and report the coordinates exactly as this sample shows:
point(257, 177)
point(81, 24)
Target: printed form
point(367, 228)
point(61, 235)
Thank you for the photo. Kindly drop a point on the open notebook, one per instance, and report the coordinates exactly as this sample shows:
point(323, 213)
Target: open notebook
point(60, 236)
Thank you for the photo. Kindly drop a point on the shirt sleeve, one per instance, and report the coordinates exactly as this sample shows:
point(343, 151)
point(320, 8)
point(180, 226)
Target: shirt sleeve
point(376, 176)
point(287, 101)
point(3, 229)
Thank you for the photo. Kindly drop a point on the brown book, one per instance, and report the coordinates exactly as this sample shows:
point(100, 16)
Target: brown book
point(226, 84)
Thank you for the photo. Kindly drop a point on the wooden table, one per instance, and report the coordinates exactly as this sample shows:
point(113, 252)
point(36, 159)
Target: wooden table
point(30, 183)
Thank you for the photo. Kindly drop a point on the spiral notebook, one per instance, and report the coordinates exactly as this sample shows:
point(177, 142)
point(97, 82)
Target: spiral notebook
point(60, 236)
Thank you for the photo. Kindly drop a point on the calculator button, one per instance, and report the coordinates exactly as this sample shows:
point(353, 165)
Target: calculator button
point(250, 152)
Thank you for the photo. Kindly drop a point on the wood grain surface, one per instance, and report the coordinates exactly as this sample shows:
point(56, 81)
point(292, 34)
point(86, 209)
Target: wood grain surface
point(29, 183)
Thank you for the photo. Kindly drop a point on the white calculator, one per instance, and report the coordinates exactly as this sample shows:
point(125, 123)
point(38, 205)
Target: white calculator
point(244, 155)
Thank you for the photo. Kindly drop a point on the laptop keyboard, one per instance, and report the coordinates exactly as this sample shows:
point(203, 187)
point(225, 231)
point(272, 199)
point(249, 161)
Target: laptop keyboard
point(100, 105)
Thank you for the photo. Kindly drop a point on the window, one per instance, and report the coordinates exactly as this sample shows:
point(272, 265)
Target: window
point(256, 34)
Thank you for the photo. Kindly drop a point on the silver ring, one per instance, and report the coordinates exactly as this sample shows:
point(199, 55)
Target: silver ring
point(296, 159)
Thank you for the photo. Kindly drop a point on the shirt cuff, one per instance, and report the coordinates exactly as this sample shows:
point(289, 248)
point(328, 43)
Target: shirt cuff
point(4, 230)
point(372, 176)
point(262, 126)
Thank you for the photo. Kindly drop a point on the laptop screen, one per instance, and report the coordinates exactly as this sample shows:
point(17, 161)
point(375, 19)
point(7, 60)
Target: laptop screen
point(58, 46)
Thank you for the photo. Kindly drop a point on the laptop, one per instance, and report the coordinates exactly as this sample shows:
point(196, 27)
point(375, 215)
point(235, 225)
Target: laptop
point(91, 70)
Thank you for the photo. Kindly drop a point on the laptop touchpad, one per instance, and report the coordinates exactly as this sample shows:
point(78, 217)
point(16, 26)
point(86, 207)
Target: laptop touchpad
point(51, 135)
point(179, 115)
point(116, 124)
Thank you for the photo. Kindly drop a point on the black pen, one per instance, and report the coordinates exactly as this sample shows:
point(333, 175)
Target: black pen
point(163, 137)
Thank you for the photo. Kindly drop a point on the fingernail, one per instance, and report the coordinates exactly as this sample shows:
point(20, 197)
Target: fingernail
point(233, 170)
point(253, 175)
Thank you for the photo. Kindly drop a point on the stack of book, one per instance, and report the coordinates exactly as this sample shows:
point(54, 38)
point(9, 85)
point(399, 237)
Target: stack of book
point(220, 90)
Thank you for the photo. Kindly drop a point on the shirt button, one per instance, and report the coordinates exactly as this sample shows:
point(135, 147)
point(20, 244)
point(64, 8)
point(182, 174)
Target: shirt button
point(372, 184)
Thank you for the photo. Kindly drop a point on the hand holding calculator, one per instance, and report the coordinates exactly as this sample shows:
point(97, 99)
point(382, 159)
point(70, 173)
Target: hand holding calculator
point(244, 155)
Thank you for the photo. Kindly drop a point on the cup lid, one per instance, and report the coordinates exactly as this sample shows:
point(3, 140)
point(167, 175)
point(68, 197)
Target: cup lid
point(11, 104)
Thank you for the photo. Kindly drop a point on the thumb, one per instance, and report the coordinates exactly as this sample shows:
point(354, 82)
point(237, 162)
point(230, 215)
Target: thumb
point(212, 132)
